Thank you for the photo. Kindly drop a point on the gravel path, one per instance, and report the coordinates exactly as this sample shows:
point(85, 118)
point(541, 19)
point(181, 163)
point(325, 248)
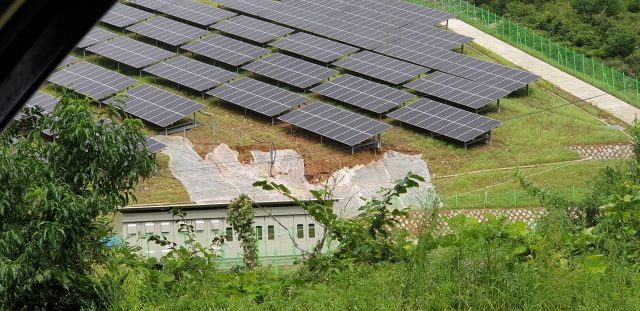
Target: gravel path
point(565, 81)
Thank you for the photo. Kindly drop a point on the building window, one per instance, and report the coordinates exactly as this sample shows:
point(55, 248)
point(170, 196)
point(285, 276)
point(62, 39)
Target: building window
point(271, 231)
point(229, 236)
point(300, 231)
point(259, 232)
point(312, 231)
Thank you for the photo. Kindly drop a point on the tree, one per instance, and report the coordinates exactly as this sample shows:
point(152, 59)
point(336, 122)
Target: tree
point(620, 42)
point(51, 195)
point(591, 7)
point(633, 6)
point(240, 215)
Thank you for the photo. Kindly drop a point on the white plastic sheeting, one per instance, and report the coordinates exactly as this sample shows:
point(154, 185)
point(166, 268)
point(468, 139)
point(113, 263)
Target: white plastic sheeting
point(220, 177)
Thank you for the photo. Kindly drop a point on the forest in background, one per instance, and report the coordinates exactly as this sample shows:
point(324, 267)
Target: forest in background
point(604, 30)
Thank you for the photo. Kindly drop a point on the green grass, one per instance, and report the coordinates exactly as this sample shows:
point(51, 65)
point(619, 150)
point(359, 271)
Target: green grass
point(536, 139)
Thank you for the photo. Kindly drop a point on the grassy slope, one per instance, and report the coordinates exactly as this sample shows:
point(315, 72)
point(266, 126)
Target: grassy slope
point(536, 139)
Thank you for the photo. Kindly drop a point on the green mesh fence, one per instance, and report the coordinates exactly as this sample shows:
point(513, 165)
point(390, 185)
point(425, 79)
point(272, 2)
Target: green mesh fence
point(576, 64)
point(510, 199)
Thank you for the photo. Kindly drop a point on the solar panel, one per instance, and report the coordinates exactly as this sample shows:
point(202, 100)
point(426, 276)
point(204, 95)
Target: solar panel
point(290, 70)
point(168, 31)
point(420, 53)
point(40, 99)
point(252, 29)
point(225, 49)
point(191, 73)
point(197, 13)
point(381, 67)
point(157, 106)
point(296, 17)
point(91, 80)
point(67, 61)
point(445, 120)
point(461, 91)
point(427, 34)
point(423, 11)
point(96, 35)
point(338, 124)
point(371, 19)
point(153, 145)
point(122, 15)
point(500, 76)
point(314, 47)
point(363, 93)
point(131, 52)
point(250, 7)
point(154, 4)
point(324, 7)
point(359, 36)
point(258, 96)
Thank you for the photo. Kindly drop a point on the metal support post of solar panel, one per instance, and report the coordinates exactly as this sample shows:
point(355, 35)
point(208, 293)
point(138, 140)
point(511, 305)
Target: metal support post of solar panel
point(314, 47)
point(198, 13)
point(499, 76)
point(459, 91)
point(130, 52)
point(122, 15)
point(160, 107)
point(226, 50)
point(364, 94)
point(168, 31)
point(444, 120)
point(258, 96)
point(252, 29)
point(290, 70)
point(337, 124)
point(381, 67)
point(191, 73)
point(91, 80)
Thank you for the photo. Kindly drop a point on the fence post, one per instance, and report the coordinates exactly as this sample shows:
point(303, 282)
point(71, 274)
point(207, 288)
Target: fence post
point(593, 71)
point(456, 199)
point(238, 260)
point(509, 31)
point(486, 199)
point(624, 86)
point(502, 24)
point(575, 68)
point(613, 79)
point(550, 58)
point(584, 76)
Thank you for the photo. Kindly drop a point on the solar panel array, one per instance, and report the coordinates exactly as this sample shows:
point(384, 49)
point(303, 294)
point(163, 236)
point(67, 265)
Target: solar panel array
point(461, 91)
point(500, 76)
point(226, 50)
point(191, 73)
point(157, 106)
point(258, 96)
point(198, 13)
point(96, 35)
point(371, 19)
point(122, 15)
point(314, 47)
point(324, 7)
point(249, 7)
point(294, 17)
point(381, 67)
point(363, 93)
point(94, 81)
point(420, 53)
point(252, 29)
point(338, 124)
point(168, 31)
point(68, 60)
point(434, 36)
point(445, 120)
point(42, 100)
point(131, 52)
point(359, 36)
point(154, 4)
point(290, 70)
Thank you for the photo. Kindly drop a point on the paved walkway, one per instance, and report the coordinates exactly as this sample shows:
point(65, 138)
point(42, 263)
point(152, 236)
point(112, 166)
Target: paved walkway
point(565, 81)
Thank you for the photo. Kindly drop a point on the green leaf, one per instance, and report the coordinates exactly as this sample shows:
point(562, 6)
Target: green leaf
point(520, 249)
